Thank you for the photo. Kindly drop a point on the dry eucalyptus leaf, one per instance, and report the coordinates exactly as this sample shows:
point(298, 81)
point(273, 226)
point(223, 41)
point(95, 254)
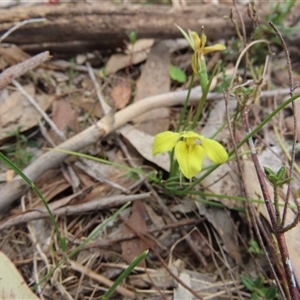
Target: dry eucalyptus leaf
point(12, 285)
point(121, 94)
point(140, 45)
point(143, 143)
point(120, 61)
point(132, 248)
point(64, 116)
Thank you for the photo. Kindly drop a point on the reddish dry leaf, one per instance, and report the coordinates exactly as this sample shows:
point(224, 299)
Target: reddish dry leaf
point(134, 247)
point(121, 94)
point(89, 105)
point(51, 183)
point(64, 116)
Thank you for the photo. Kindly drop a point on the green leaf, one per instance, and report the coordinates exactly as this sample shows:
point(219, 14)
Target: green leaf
point(254, 247)
point(269, 171)
point(271, 293)
point(258, 283)
point(254, 296)
point(281, 172)
point(247, 282)
point(177, 74)
point(132, 36)
point(63, 244)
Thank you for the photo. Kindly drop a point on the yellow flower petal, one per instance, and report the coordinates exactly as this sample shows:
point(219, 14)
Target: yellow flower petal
point(165, 141)
point(203, 41)
point(195, 63)
point(190, 159)
point(197, 41)
point(214, 150)
point(216, 47)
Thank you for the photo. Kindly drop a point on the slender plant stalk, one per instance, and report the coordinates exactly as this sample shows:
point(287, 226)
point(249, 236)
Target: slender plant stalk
point(286, 262)
point(292, 88)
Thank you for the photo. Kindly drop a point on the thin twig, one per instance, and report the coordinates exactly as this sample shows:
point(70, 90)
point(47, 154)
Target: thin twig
point(116, 240)
point(39, 109)
point(21, 68)
point(18, 25)
point(105, 107)
point(244, 36)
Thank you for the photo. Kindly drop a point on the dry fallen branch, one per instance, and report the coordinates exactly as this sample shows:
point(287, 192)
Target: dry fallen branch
point(80, 27)
point(22, 68)
point(93, 205)
point(15, 188)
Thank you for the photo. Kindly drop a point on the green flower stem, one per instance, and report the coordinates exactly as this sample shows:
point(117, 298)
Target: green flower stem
point(204, 92)
point(173, 164)
point(202, 73)
point(203, 79)
point(183, 111)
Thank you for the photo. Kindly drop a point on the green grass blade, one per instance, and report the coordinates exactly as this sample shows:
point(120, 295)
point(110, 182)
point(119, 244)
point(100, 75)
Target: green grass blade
point(11, 165)
point(124, 274)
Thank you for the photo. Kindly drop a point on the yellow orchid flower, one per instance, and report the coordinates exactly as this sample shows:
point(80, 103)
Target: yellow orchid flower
point(200, 50)
point(198, 45)
point(190, 150)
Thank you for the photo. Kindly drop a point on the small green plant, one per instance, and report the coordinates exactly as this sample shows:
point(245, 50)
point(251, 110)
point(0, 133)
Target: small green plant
point(17, 152)
point(258, 289)
point(254, 248)
point(132, 36)
point(177, 74)
point(72, 73)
